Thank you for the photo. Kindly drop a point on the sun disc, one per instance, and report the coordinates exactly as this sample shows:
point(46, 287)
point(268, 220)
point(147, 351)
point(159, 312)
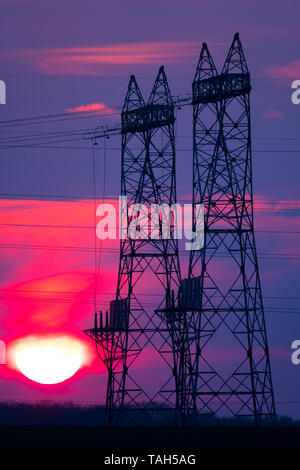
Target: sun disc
point(48, 360)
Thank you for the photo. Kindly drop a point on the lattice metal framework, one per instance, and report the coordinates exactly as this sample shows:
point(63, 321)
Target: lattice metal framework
point(211, 333)
point(133, 330)
point(229, 307)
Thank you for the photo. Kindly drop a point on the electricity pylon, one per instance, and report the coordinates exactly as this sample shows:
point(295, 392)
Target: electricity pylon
point(208, 329)
point(230, 361)
point(134, 333)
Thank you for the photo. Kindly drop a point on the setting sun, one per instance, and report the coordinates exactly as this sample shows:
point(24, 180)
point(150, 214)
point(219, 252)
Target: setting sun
point(49, 360)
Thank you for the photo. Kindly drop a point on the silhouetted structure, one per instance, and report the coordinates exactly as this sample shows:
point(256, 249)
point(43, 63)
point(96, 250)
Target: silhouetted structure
point(229, 306)
point(210, 310)
point(133, 330)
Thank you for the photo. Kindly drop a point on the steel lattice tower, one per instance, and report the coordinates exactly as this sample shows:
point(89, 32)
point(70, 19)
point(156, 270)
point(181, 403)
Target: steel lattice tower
point(133, 330)
point(229, 301)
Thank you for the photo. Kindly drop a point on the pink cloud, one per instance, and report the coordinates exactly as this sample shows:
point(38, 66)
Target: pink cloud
point(289, 71)
point(262, 203)
point(273, 114)
point(67, 226)
point(93, 60)
point(86, 108)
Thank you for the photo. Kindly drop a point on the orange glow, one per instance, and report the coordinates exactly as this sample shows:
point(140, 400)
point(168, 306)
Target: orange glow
point(48, 360)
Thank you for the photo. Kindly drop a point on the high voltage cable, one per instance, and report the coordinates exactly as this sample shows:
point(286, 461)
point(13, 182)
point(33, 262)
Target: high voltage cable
point(262, 255)
point(89, 116)
point(148, 304)
point(46, 134)
point(48, 147)
point(118, 128)
point(13, 142)
point(112, 148)
point(89, 199)
point(289, 232)
point(46, 116)
point(110, 131)
point(108, 293)
point(71, 116)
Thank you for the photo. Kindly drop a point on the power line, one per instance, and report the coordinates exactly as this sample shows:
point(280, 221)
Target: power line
point(112, 131)
point(274, 310)
point(47, 116)
point(44, 119)
point(287, 232)
point(272, 256)
point(109, 293)
point(9, 143)
point(89, 198)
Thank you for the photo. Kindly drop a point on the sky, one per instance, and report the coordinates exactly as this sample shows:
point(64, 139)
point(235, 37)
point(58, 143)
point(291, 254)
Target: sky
point(71, 60)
